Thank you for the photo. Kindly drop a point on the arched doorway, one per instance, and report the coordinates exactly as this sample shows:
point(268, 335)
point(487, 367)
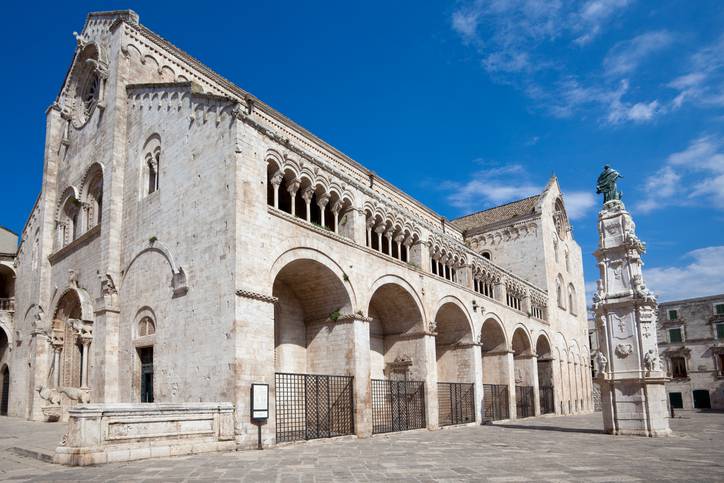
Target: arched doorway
point(398, 360)
point(455, 366)
point(545, 375)
point(524, 373)
point(496, 371)
point(313, 371)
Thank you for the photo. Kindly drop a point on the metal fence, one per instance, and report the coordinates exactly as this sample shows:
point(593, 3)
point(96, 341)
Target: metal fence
point(495, 401)
point(397, 405)
point(546, 399)
point(313, 406)
point(456, 403)
point(524, 401)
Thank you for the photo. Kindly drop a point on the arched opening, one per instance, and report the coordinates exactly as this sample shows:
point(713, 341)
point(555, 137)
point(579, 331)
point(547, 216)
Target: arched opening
point(496, 371)
point(68, 223)
point(525, 366)
point(545, 375)
point(152, 164)
point(7, 288)
point(398, 360)
point(572, 299)
point(311, 353)
point(560, 292)
point(311, 298)
point(70, 339)
point(95, 200)
point(455, 370)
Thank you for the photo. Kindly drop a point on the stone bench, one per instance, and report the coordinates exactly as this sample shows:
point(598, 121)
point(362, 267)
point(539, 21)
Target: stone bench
point(105, 433)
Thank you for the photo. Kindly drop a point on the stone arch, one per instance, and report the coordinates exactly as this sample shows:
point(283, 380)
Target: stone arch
point(296, 249)
point(453, 342)
point(151, 164)
point(312, 298)
point(406, 286)
point(524, 363)
point(91, 194)
point(179, 283)
point(397, 347)
point(84, 300)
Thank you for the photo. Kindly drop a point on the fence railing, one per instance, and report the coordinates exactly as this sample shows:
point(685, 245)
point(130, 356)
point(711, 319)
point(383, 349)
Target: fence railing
point(546, 399)
point(310, 406)
point(456, 403)
point(496, 401)
point(397, 405)
point(524, 401)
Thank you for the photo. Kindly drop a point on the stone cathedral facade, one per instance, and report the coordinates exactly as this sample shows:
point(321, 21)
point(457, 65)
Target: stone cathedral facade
point(189, 240)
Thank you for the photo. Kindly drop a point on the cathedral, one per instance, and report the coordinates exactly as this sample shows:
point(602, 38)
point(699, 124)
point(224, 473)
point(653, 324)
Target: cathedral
point(189, 241)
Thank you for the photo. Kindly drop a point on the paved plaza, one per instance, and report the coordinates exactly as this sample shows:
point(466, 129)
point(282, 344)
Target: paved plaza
point(543, 449)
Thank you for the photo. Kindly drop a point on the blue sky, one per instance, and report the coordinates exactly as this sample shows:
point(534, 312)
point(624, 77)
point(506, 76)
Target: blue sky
point(464, 105)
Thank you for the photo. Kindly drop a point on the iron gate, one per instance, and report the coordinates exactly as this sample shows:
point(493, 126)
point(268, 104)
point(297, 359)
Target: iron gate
point(496, 401)
point(397, 405)
point(546, 399)
point(312, 406)
point(456, 403)
point(524, 401)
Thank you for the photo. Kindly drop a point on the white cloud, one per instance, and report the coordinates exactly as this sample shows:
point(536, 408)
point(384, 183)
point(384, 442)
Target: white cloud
point(703, 84)
point(578, 203)
point(691, 176)
point(526, 44)
point(594, 14)
point(704, 275)
point(625, 57)
point(490, 187)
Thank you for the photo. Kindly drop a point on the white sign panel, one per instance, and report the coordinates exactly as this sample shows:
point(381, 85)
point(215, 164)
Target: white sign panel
point(260, 401)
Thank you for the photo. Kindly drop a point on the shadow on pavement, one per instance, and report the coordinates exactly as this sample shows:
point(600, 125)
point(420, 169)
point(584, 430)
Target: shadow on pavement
point(551, 428)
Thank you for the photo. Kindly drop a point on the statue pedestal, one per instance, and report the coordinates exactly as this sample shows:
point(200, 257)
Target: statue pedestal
point(633, 393)
point(634, 406)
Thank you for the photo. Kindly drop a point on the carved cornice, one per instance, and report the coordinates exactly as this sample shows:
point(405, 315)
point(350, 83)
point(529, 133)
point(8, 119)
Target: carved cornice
point(257, 296)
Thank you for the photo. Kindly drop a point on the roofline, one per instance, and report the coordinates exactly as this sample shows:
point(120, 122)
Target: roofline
point(494, 207)
point(8, 229)
point(259, 104)
point(694, 299)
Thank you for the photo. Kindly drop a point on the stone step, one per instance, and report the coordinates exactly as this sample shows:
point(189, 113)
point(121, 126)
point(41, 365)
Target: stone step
point(36, 453)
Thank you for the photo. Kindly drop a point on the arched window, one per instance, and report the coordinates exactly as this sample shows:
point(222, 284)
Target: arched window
point(95, 200)
point(487, 255)
point(146, 327)
point(68, 223)
point(152, 164)
point(572, 299)
point(560, 295)
point(568, 261)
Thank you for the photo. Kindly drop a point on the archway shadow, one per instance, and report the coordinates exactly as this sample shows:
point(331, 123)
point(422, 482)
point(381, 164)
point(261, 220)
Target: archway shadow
point(550, 428)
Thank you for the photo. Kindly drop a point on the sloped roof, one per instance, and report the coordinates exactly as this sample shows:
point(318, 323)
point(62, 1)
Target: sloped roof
point(497, 214)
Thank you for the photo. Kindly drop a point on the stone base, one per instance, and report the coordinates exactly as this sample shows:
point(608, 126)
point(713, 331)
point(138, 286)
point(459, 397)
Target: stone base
point(105, 433)
point(635, 407)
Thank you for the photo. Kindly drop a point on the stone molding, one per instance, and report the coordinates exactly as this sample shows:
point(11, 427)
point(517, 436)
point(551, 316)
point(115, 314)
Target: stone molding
point(270, 299)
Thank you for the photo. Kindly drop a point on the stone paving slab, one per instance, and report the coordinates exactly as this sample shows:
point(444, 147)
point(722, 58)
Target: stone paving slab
point(549, 449)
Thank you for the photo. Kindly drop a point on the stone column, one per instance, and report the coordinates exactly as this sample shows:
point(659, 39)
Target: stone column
point(431, 404)
point(533, 368)
point(369, 224)
point(85, 360)
point(632, 381)
point(388, 235)
point(292, 188)
point(477, 356)
point(276, 181)
point(57, 345)
point(307, 197)
point(253, 363)
point(510, 364)
point(322, 203)
point(360, 349)
point(336, 208)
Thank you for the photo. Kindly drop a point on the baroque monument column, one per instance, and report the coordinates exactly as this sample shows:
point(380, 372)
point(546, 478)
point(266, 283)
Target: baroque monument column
point(628, 369)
